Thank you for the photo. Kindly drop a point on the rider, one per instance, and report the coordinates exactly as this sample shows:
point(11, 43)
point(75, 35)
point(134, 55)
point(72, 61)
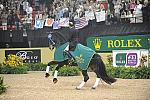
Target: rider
point(73, 41)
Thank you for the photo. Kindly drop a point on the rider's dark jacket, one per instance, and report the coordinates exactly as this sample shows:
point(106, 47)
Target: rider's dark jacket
point(74, 40)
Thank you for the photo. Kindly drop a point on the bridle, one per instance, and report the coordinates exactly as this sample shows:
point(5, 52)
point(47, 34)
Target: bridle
point(51, 42)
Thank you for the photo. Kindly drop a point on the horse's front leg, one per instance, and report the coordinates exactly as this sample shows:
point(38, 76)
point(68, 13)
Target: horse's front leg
point(48, 67)
point(60, 64)
point(86, 78)
point(55, 76)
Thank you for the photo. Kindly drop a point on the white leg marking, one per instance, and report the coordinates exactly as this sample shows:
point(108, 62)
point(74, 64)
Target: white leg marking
point(55, 74)
point(81, 85)
point(96, 83)
point(47, 69)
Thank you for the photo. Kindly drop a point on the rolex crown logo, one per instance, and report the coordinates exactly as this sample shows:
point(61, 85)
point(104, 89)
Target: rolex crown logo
point(97, 43)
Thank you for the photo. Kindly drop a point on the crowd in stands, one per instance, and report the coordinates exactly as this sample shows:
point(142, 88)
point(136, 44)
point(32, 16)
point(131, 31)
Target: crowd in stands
point(20, 14)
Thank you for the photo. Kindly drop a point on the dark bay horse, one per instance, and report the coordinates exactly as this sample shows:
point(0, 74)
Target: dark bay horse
point(95, 62)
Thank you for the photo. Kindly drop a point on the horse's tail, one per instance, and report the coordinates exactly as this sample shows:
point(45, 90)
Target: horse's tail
point(102, 71)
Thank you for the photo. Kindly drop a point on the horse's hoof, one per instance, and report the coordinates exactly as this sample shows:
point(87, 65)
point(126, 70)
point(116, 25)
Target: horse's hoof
point(78, 88)
point(47, 75)
point(55, 80)
point(93, 88)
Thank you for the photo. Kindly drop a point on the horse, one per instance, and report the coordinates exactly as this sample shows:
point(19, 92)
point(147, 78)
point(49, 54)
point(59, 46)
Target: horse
point(95, 62)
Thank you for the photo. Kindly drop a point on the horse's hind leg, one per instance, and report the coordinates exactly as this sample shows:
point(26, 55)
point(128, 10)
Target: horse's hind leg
point(86, 78)
point(96, 82)
point(92, 66)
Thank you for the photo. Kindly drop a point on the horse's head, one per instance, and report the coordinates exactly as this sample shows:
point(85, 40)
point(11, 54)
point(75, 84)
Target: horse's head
point(51, 41)
point(56, 39)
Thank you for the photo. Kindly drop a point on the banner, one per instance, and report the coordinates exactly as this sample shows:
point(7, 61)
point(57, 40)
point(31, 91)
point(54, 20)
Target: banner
point(136, 19)
point(126, 58)
point(89, 15)
point(39, 23)
point(28, 56)
point(64, 22)
point(56, 25)
point(109, 43)
point(100, 16)
point(49, 22)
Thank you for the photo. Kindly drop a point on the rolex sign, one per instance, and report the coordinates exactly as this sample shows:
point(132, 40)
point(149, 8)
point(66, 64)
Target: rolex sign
point(109, 43)
point(28, 56)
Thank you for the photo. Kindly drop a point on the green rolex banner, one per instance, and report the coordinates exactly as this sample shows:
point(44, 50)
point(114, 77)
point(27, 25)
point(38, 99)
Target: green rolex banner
point(109, 43)
point(59, 52)
point(83, 56)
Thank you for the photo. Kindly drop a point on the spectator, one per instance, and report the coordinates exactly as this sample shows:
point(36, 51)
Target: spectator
point(138, 12)
point(138, 9)
point(29, 22)
point(21, 8)
point(132, 6)
point(1, 6)
point(17, 20)
point(102, 6)
point(123, 10)
point(10, 19)
point(25, 6)
point(29, 11)
point(146, 9)
point(70, 8)
point(44, 16)
point(38, 15)
point(117, 8)
point(4, 20)
point(111, 6)
point(97, 6)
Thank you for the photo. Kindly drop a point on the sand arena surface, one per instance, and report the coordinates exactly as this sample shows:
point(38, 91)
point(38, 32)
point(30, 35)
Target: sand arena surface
point(34, 86)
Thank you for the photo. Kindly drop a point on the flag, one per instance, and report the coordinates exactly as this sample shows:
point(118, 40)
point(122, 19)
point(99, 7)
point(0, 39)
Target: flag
point(100, 16)
point(80, 23)
point(39, 23)
point(49, 22)
point(64, 22)
point(56, 25)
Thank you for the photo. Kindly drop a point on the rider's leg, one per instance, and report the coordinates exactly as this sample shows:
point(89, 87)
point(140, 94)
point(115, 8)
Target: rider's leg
point(68, 54)
point(86, 78)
